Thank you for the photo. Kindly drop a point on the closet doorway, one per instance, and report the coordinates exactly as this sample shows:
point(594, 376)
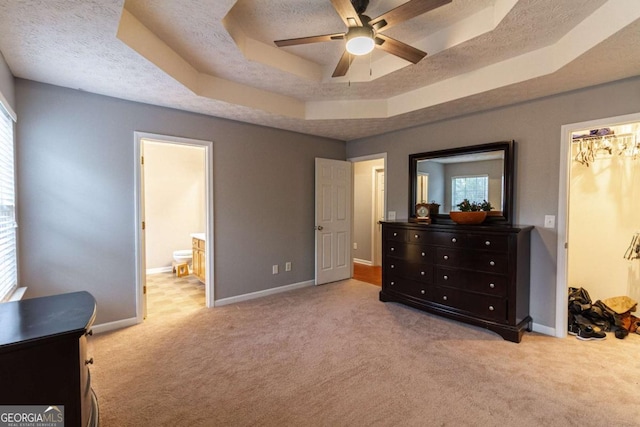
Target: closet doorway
point(174, 205)
point(599, 201)
point(369, 207)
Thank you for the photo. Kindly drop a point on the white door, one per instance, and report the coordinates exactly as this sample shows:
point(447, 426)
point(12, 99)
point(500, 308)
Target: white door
point(333, 220)
point(378, 216)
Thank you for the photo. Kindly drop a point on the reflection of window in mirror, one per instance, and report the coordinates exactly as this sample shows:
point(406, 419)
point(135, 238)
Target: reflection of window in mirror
point(475, 188)
point(423, 188)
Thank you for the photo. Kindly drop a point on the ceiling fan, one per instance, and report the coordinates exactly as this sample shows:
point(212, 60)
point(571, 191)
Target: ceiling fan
point(364, 33)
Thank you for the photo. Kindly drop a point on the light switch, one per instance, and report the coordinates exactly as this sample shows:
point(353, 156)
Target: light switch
point(549, 221)
point(392, 215)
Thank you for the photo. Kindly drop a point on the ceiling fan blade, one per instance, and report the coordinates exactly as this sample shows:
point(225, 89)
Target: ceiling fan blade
point(343, 65)
point(347, 12)
point(307, 40)
point(399, 49)
point(404, 12)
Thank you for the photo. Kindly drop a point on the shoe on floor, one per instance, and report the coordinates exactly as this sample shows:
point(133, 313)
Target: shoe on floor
point(587, 332)
point(573, 329)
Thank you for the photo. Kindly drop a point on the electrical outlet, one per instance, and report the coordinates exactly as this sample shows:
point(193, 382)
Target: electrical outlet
point(391, 215)
point(549, 221)
point(287, 266)
point(275, 269)
point(355, 245)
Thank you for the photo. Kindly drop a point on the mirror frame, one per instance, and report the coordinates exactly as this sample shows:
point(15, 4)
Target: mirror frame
point(508, 147)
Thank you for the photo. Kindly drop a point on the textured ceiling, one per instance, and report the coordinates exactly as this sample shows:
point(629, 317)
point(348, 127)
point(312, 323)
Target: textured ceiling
point(217, 57)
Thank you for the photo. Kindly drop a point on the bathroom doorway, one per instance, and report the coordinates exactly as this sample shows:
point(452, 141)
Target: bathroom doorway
point(175, 212)
point(599, 197)
point(369, 206)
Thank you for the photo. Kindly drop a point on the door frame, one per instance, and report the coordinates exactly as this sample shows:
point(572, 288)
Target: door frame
point(139, 210)
point(563, 210)
point(376, 256)
point(376, 156)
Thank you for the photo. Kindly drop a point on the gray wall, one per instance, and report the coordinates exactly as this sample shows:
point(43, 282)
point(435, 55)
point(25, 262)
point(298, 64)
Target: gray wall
point(75, 154)
point(535, 126)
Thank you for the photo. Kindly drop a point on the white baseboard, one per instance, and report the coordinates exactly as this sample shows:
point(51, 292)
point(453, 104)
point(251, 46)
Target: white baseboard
point(260, 294)
point(362, 261)
point(159, 270)
point(546, 330)
point(112, 326)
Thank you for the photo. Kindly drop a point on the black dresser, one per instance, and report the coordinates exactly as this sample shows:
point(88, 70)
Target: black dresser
point(475, 274)
point(43, 355)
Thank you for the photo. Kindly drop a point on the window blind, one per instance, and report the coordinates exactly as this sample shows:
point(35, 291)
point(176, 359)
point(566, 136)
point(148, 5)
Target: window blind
point(8, 225)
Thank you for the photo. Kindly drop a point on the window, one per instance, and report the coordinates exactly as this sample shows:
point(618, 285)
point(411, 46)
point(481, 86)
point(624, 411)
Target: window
point(423, 188)
point(8, 225)
point(475, 188)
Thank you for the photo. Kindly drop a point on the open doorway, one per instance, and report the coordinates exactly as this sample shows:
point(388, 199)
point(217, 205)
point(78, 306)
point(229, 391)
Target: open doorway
point(599, 197)
point(369, 206)
point(175, 213)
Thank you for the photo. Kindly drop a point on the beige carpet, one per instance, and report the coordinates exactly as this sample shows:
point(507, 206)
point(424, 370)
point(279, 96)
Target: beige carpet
point(334, 355)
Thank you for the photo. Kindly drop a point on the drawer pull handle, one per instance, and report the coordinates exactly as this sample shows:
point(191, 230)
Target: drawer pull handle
point(422, 273)
point(454, 240)
point(89, 362)
point(393, 266)
point(422, 292)
point(393, 283)
point(491, 308)
point(395, 234)
point(417, 236)
point(488, 243)
point(445, 277)
point(393, 249)
point(491, 263)
point(444, 297)
point(423, 254)
point(491, 285)
point(446, 257)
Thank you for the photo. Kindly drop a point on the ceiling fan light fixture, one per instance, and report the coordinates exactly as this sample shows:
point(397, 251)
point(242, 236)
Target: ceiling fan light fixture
point(360, 40)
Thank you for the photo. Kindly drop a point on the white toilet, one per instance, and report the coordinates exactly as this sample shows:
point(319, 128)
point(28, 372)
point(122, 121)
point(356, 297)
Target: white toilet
point(183, 256)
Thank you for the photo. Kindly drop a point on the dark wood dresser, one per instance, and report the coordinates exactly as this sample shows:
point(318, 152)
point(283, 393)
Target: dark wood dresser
point(43, 355)
point(475, 274)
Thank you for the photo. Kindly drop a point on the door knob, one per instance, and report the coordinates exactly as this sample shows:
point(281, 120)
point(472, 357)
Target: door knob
point(319, 227)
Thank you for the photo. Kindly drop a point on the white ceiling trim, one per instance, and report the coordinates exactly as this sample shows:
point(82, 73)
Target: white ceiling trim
point(613, 16)
point(139, 38)
point(616, 14)
point(274, 57)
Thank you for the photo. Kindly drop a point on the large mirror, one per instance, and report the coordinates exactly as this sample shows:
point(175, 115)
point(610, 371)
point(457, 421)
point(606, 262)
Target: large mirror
point(446, 177)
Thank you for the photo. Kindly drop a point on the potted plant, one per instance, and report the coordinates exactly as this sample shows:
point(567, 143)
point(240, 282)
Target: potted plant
point(471, 212)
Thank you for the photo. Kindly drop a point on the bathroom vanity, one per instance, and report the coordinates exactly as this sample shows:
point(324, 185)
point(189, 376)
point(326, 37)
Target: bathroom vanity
point(43, 355)
point(199, 260)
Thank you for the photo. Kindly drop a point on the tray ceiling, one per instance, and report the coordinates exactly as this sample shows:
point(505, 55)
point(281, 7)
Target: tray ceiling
point(217, 57)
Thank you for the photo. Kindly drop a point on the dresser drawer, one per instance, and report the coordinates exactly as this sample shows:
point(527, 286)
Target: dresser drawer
point(484, 306)
point(488, 242)
point(395, 234)
point(395, 249)
point(419, 272)
point(419, 236)
point(488, 262)
point(489, 284)
point(453, 239)
point(420, 254)
point(407, 287)
point(451, 257)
